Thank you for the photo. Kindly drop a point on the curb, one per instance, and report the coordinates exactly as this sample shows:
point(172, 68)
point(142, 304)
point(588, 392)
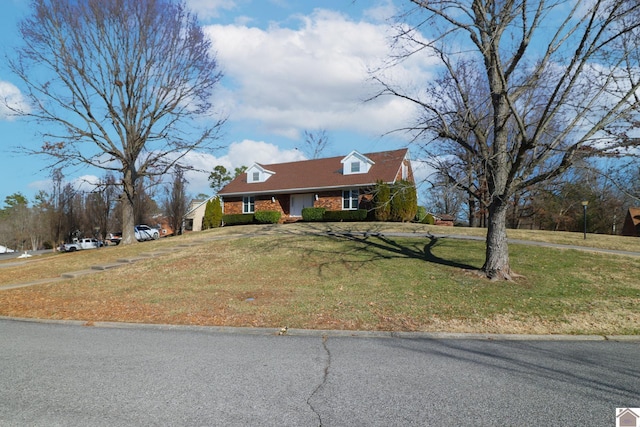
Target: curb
point(328, 333)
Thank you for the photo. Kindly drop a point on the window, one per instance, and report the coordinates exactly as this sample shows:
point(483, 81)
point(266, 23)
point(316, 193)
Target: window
point(350, 200)
point(256, 176)
point(356, 163)
point(248, 204)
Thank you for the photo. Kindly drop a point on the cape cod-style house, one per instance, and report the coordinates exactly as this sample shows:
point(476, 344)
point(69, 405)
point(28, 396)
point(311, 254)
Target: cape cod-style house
point(335, 183)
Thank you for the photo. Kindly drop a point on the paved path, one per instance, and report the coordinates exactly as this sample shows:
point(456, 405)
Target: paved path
point(55, 374)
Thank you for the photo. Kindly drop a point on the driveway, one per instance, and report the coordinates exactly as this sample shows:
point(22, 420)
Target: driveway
point(62, 374)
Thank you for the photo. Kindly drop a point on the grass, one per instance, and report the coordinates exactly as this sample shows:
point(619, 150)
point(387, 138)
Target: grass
point(284, 275)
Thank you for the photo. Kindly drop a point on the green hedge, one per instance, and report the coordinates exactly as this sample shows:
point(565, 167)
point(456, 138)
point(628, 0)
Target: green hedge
point(397, 202)
point(382, 202)
point(237, 219)
point(428, 219)
point(313, 214)
point(356, 215)
point(267, 217)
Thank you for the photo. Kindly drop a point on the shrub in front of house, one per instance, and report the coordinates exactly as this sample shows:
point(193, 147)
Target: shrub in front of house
point(428, 219)
point(313, 214)
point(336, 216)
point(212, 214)
point(237, 219)
point(404, 201)
point(396, 202)
point(267, 217)
point(421, 213)
point(382, 202)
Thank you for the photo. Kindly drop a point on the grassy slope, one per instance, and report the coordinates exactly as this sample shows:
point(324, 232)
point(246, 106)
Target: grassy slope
point(288, 277)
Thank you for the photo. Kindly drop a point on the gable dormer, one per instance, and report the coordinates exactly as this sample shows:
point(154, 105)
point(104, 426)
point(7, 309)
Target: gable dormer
point(355, 163)
point(257, 173)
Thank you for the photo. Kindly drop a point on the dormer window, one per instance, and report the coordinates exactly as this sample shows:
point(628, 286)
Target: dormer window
point(356, 163)
point(257, 173)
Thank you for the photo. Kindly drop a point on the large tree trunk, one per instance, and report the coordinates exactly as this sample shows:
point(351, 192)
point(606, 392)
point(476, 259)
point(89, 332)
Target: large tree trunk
point(496, 265)
point(128, 217)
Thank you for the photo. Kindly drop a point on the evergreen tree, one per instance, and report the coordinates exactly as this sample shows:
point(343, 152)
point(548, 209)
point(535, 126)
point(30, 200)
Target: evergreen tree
point(212, 214)
point(382, 202)
point(404, 201)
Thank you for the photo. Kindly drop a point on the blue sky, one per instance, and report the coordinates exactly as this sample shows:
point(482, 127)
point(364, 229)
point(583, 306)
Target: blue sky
point(289, 65)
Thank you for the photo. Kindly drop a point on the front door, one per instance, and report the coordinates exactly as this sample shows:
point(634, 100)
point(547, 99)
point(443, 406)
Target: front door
point(299, 202)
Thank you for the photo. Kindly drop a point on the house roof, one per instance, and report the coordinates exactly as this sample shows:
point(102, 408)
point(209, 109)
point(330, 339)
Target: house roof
point(195, 205)
point(319, 174)
point(631, 222)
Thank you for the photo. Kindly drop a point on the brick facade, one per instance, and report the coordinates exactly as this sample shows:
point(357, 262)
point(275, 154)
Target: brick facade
point(317, 181)
point(330, 200)
point(280, 203)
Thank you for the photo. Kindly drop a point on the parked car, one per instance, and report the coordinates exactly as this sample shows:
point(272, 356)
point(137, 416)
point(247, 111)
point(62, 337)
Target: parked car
point(144, 232)
point(80, 244)
point(115, 237)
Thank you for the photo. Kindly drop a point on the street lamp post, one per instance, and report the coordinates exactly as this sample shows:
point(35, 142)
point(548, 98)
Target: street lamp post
point(585, 203)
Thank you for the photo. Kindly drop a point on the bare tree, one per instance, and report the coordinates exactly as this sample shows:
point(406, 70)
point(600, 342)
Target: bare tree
point(555, 81)
point(146, 208)
point(315, 142)
point(100, 205)
point(444, 197)
point(119, 84)
point(176, 204)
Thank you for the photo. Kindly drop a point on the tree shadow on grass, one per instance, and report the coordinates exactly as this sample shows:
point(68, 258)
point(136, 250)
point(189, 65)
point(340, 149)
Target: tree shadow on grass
point(381, 246)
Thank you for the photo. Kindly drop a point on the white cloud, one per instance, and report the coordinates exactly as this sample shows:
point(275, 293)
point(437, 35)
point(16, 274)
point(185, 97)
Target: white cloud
point(86, 183)
point(382, 12)
point(243, 153)
point(11, 99)
point(313, 76)
point(83, 184)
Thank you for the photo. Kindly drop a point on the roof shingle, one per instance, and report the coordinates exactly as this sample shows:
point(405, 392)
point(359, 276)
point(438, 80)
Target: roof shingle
point(318, 174)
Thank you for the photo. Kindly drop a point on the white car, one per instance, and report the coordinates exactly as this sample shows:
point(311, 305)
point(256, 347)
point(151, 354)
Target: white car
point(144, 232)
point(80, 244)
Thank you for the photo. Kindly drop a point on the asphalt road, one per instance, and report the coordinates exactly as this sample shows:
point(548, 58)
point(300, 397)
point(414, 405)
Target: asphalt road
point(70, 375)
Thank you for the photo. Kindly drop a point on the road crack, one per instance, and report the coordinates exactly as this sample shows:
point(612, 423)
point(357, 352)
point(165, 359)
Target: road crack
point(325, 375)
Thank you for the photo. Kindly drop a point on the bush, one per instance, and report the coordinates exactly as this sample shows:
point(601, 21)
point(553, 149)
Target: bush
point(428, 219)
point(216, 217)
point(404, 201)
point(313, 214)
point(212, 214)
point(267, 217)
point(237, 219)
point(382, 202)
point(421, 214)
point(357, 215)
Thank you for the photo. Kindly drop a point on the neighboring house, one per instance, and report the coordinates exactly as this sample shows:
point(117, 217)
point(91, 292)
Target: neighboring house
point(195, 215)
point(631, 225)
point(336, 183)
point(446, 220)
